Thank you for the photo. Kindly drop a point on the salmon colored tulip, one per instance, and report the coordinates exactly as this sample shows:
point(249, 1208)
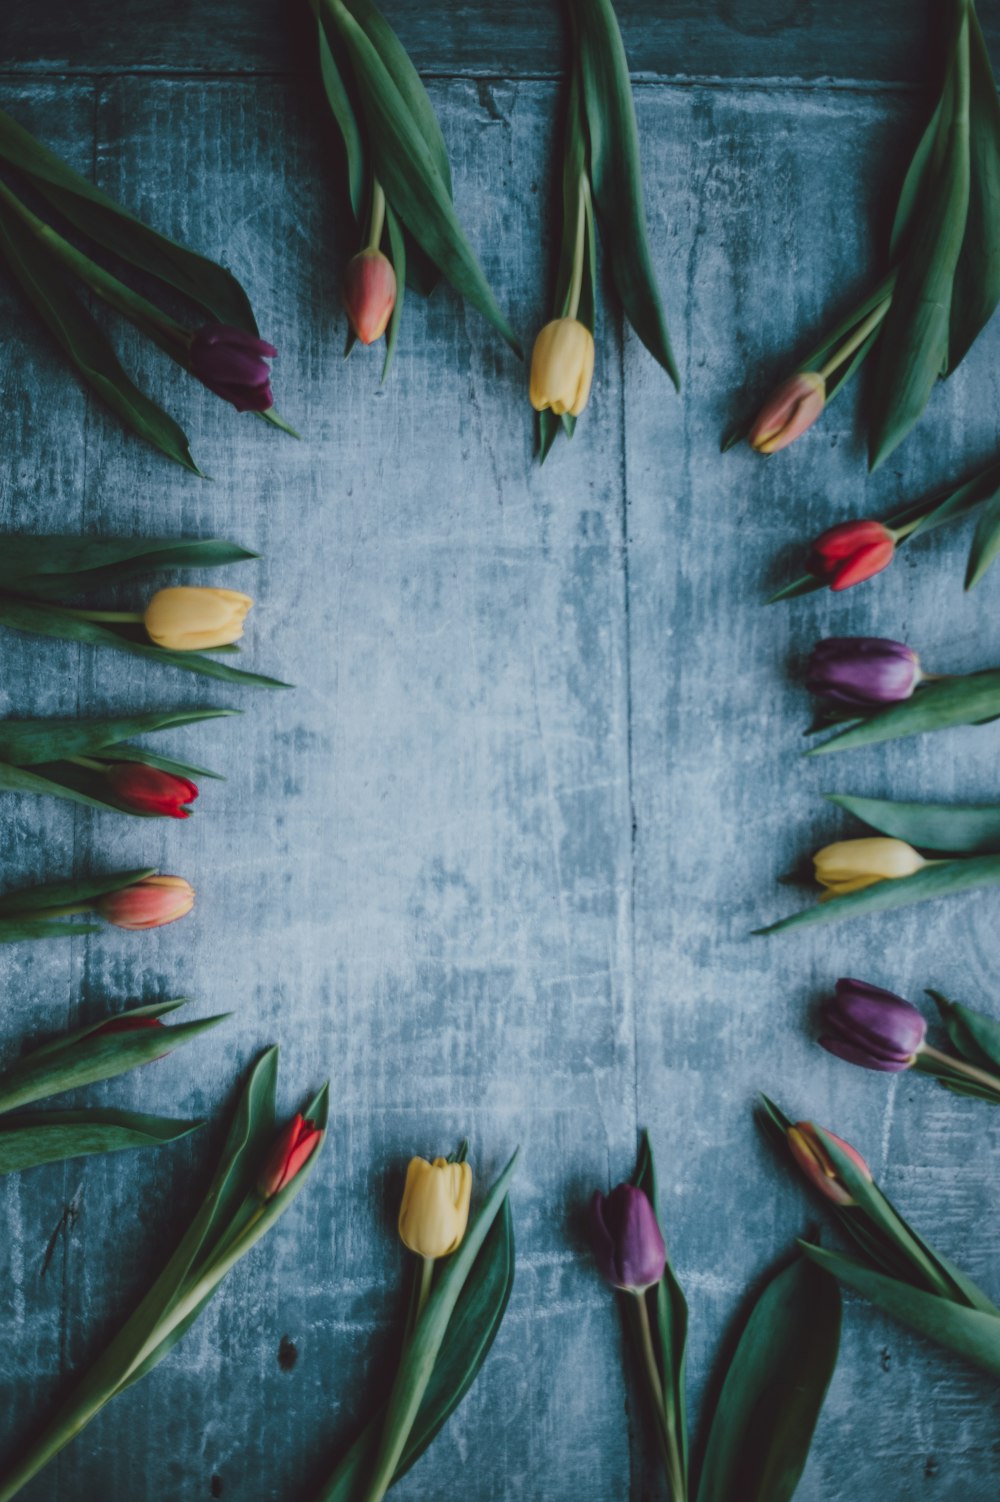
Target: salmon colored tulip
point(369, 294)
point(189, 619)
point(810, 1154)
point(149, 903)
point(147, 790)
point(562, 367)
point(435, 1208)
point(851, 865)
point(291, 1151)
point(852, 552)
point(788, 411)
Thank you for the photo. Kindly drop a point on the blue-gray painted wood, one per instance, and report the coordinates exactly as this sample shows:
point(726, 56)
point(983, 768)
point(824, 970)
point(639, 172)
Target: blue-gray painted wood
point(493, 865)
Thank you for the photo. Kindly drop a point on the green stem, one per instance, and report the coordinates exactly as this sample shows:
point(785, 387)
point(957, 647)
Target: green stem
point(87, 762)
point(376, 220)
point(954, 1066)
point(856, 339)
point(666, 1437)
point(117, 616)
point(579, 248)
point(70, 911)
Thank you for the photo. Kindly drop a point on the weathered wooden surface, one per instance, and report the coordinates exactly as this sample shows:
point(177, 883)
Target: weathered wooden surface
point(493, 865)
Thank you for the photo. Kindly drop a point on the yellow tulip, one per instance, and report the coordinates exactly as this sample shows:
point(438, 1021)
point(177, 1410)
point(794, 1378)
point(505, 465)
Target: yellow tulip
point(435, 1208)
point(850, 865)
point(562, 367)
point(194, 620)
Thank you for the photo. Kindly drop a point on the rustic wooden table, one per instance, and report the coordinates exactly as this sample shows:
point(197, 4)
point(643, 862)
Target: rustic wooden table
point(494, 864)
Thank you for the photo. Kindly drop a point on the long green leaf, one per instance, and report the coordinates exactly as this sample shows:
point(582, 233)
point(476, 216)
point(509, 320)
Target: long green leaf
point(773, 1390)
point(616, 173)
point(404, 165)
point(21, 930)
point(57, 564)
point(943, 880)
point(397, 245)
point(48, 1137)
point(19, 780)
point(344, 113)
point(938, 705)
point(976, 1036)
point(976, 289)
point(64, 893)
point(970, 1333)
point(32, 742)
point(956, 828)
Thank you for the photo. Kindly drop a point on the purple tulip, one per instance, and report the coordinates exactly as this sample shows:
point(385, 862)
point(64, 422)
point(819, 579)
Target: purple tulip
point(231, 363)
point(628, 1245)
point(871, 1027)
point(863, 670)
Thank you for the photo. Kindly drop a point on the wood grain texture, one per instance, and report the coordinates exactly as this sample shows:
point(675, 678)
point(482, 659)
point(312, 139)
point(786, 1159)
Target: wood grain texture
point(493, 865)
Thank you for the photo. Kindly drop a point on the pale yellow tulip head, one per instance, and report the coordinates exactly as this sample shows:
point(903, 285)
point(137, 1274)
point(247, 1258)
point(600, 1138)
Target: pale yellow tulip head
point(195, 620)
point(850, 865)
point(562, 367)
point(435, 1208)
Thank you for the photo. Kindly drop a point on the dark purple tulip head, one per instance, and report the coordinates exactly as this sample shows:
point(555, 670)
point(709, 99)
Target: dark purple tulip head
point(627, 1243)
point(871, 1027)
point(863, 670)
point(231, 363)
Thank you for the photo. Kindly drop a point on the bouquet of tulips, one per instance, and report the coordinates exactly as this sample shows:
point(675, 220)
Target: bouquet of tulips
point(775, 1383)
point(895, 1268)
point(943, 281)
point(177, 626)
point(600, 166)
point(91, 762)
point(227, 355)
point(97, 1052)
point(462, 1280)
point(125, 899)
point(884, 871)
point(260, 1173)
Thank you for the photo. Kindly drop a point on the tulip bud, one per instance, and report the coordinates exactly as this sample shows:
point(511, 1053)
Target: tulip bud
point(435, 1208)
point(863, 670)
point(851, 552)
point(871, 1027)
point(289, 1154)
point(150, 791)
point(188, 619)
point(562, 367)
point(231, 363)
point(850, 865)
point(369, 294)
point(149, 903)
point(628, 1246)
point(809, 1152)
point(788, 411)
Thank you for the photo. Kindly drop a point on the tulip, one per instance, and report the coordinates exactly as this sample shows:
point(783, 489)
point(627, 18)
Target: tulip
point(628, 1246)
point(150, 791)
point(850, 865)
point(852, 552)
point(871, 1027)
point(149, 903)
point(863, 670)
point(186, 619)
point(435, 1208)
point(369, 294)
point(788, 411)
point(231, 363)
point(562, 367)
point(809, 1152)
point(289, 1154)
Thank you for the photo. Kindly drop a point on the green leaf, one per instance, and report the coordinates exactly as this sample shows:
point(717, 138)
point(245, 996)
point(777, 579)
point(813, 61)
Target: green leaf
point(18, 780)
point(417, 1362)
point(42, 620)
point(405, 166)
point(976, 290)
point(773, 1390)
point(56, 564)
point(957, 828)
point(616, 174)
point(397, 244)
point(670, 1321)
point(48, 1137)
point(985, 542)
point(32, 742)
point(913, 347)
point(64, 893)
point(214, 290)
point(335, 88)
point(943, 880)
point(89, 1055)
point(41, 279)
point(17, 930)
point(165, 763)
point(935, 706)
point(970, 1333)
point(976, 1036)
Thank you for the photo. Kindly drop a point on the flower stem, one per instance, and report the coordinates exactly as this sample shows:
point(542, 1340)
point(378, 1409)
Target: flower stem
point(116, 616)
point(377, 218)
point(87, 762)
point(666, 1437)
point(856, 338)
point(952, 1066)
point(579, 248)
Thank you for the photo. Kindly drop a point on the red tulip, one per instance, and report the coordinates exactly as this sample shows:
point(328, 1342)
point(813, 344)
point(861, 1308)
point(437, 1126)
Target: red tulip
point(291, 1151)
point(810, 1154)
point(369, 294)
point(150, 791)
point(852, 552)
point(149, 903)
point(788, 411)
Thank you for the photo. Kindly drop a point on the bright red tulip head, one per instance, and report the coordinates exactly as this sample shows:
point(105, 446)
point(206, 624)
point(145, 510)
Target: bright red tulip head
point(149, 903)
point(147, 790)
point(808, 1150)
point(788, 411)
point(851, 552)
point(369, 294)
point(292, 1149)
